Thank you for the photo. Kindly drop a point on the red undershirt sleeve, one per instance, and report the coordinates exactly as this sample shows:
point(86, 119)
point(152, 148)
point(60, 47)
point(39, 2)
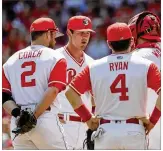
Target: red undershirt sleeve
point(58, 75)
point(82, 83)
point(6, 87)
point(154, 78)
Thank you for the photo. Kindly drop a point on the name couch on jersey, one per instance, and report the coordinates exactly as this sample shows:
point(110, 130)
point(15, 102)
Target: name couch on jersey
point(30, 54)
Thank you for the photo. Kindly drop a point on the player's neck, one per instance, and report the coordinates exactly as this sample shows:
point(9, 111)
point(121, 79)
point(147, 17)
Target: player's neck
point(38, 42)
point(75, 53)
point(120, 52)
point(141, 41)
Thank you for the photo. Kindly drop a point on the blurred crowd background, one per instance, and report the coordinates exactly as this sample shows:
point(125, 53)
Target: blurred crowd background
point(17, 16)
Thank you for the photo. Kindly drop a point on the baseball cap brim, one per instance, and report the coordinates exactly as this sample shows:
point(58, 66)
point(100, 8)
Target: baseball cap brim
point(59, 34)
point(157, 38)
point(86, 30)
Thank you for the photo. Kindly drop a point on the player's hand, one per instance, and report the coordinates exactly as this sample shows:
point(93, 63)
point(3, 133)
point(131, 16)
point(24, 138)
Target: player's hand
point(147, 124)
point(145, 120)
point(93, 123)
point(148, 128)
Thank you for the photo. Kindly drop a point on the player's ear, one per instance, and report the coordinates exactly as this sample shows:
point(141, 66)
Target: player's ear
point(69, 33)
point(48, 35)
point(109, 45)
point(132, 41)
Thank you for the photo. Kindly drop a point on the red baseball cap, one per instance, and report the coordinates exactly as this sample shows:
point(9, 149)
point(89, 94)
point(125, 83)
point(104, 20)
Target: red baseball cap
point(118, 31)
point(45, 24)
point(80, 23)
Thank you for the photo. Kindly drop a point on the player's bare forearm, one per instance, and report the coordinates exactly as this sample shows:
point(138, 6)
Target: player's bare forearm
point(47, 100)
point(155, 116)
point(73, 98)
point(92, 101)
point(9, 106)
point(93, 105)
point(78, 106)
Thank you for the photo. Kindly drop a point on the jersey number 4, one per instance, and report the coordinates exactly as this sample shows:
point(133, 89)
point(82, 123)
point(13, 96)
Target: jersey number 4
point(122, 89)
point(28, 73)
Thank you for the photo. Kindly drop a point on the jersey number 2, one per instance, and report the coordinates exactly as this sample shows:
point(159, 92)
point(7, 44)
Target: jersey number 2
point(122, 90)
point(25, 74)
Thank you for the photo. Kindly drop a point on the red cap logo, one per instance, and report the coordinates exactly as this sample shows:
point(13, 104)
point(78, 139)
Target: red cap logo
point(80, 23)
point(85, 22)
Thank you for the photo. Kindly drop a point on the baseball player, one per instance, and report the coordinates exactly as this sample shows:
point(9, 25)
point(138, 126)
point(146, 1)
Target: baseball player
point(119, 84)
point(34, 76)
point(146, 30)
point(79, 29)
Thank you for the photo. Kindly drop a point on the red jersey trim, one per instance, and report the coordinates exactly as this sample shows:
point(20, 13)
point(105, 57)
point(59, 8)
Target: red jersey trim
point(79, 63)
point(57, 82)
point(75, 90)
point(6, 90)
point(158, 90)
point(91, 93)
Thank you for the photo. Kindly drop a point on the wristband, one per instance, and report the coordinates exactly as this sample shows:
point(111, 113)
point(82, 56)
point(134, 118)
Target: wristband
point(155, 116)
point(15, 112)
point(83, 112)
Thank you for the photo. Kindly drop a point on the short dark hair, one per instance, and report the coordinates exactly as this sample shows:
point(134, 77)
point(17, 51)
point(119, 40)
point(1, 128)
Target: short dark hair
point(36, 34)
point(120, 45)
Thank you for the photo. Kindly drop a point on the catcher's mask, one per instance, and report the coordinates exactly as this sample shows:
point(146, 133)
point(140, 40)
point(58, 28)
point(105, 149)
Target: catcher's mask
point(145, 25)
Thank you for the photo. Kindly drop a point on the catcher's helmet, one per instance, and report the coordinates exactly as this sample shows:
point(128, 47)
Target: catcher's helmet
point(146, 25)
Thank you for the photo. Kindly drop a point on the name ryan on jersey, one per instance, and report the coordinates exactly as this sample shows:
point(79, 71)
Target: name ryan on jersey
point(118, 66)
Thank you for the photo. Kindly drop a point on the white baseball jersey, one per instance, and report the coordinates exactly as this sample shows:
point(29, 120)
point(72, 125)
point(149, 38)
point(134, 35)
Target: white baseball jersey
point(153, 54)
point(73, 68)
point(119, 84)
point(29, 72)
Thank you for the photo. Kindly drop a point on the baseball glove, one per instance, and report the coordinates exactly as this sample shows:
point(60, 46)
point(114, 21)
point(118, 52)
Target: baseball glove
point(88, 142)
point(25, 122)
